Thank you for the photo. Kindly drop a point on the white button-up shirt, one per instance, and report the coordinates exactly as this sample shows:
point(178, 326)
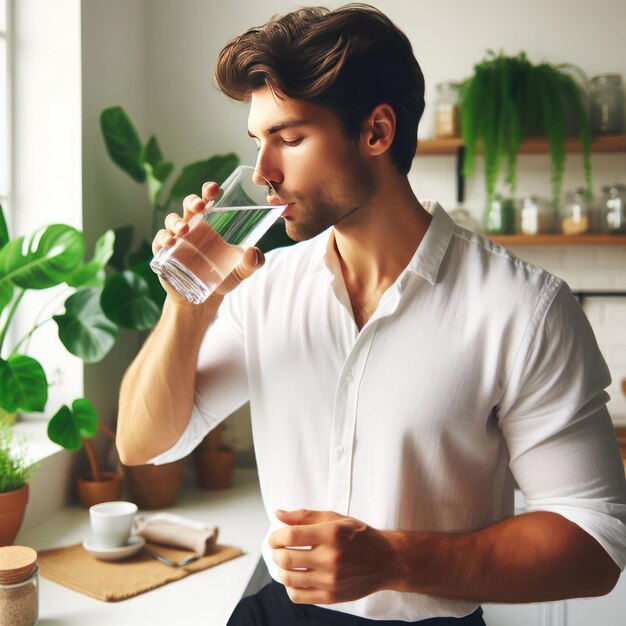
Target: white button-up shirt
point(477, 370)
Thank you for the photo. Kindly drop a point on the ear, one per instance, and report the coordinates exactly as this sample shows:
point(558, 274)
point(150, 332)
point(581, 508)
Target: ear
point(378, 131)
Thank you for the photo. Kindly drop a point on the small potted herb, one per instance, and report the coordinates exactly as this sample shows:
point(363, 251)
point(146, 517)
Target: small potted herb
point(15, 474)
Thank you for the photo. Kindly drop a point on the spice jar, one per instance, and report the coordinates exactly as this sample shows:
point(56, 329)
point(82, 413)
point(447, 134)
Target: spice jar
point(19, 586)
point(536, 216)
point(500, 217)
point(575, 216)
point(447, 110)
point(606, 102)
point(613, 209)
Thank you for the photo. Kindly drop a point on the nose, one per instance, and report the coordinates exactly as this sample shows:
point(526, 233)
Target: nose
point(267, 169)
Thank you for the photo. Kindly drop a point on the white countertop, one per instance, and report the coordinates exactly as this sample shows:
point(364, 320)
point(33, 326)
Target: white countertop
point(205, 598)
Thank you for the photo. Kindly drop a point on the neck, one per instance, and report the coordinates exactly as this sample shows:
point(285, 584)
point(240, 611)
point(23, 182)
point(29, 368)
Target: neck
point(376, 243)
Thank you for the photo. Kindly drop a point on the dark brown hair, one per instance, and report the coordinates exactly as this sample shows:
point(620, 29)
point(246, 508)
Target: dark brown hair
point(349, 60)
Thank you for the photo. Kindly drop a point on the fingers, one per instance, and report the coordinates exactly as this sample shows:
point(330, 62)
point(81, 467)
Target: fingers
point(251, 261)
point(175, 225)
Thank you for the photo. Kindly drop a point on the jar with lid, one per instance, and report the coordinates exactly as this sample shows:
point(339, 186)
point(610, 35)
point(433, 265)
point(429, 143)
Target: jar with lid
point(447, 122)
point(606, 103)
point(576, 213)
point(500, 217)
point(536, 215)
point(19, 586)
point(613, 209)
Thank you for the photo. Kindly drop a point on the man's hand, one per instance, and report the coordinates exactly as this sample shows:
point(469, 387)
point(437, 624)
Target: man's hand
point(344, 559)
point(177, 226)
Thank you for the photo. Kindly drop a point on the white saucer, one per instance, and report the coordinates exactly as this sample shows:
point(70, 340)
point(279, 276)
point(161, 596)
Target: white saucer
point(134, 544)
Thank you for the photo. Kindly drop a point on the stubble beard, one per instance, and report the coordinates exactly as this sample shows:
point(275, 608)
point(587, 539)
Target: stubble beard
point(319, 212)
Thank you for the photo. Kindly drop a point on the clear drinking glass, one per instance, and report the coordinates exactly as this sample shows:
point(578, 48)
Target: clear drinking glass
point(242, 212)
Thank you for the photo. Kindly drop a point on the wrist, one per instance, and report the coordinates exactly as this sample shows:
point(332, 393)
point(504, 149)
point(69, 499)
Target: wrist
point(397, 575)
point(193, 316)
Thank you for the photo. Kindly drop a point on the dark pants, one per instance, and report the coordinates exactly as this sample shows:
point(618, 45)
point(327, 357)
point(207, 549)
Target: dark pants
point(272, 607)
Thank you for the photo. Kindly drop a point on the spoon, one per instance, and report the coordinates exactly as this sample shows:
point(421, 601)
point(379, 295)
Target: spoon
point(166, 561)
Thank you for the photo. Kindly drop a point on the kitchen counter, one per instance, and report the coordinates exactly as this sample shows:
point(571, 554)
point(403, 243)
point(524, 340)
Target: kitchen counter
point(205, 598)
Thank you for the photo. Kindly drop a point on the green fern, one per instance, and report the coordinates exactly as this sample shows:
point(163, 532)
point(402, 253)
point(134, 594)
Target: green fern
point(508, 99)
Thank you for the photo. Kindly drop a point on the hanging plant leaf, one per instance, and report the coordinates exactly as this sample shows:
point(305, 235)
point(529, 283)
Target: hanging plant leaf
point(92, 274)
point(508, 99)
point(68, 427)
point(215, 169)
point(126, 301)
point(23, 384)
point(84, 329)
point(43, 260)
point(122, 142)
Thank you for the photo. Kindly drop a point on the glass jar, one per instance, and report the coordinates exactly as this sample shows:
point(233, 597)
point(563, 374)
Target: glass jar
point(500, 217)
point(613, 209)
point(19, 586)
point(536, 216)
point(606, 102)
point(576, 213)
point(447, 110)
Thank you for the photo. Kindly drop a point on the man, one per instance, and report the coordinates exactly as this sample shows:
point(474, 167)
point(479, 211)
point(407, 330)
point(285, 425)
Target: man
point(402, 372)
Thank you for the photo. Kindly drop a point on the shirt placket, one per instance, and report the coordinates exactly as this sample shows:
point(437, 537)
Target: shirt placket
point(344, 421)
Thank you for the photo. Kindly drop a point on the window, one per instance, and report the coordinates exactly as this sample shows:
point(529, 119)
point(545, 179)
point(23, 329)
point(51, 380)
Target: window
point(5, 102)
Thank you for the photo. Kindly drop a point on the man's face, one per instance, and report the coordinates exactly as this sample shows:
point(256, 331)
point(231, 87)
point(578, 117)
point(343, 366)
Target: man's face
point(311, 164)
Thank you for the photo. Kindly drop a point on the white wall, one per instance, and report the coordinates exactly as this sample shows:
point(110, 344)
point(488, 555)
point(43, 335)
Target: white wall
point(176, 44)
point(114, 70)
point(47, 160)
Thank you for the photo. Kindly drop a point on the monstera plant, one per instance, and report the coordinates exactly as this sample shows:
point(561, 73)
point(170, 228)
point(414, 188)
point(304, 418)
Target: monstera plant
point(52, 258)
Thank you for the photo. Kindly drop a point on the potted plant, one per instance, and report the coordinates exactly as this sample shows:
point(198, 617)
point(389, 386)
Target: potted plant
point(214, 462)
point(51, 257)
point(73, 428)
point(508, 99)
point(15, 474)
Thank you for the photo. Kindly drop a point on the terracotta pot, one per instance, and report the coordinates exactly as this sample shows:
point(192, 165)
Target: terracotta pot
point(12, 508)
point(214, 468)
point(154, 486)
point(92, 492)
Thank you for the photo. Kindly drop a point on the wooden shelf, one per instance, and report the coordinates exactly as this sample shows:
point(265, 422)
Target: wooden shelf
point(539, 145)
point(558, 240)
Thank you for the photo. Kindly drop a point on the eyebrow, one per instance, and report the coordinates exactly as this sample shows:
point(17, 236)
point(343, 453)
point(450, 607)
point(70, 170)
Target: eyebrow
point(282, 125)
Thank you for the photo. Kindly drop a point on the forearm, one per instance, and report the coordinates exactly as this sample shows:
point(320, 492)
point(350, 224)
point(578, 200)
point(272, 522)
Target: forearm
point(535, 557)
point(156, 395)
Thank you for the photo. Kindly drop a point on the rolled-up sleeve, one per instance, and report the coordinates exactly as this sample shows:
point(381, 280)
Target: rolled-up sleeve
point(221, 381)
point(561, 441)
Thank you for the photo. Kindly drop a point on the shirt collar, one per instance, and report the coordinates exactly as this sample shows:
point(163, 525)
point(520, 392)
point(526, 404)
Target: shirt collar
point(427, 258)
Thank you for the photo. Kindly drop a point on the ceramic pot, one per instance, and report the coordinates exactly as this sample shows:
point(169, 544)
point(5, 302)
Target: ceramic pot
point(214, 468)
point(12, 508)
point(92, 492)
point(154, 486)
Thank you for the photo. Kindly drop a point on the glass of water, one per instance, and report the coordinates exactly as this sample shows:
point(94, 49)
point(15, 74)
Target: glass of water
point(241, 213)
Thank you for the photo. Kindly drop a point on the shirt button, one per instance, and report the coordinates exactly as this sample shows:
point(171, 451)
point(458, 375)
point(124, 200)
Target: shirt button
point(339, 449)
point(349, 378)
point(299, 613)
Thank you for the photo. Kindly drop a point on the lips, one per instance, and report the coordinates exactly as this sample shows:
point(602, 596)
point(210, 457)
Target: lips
point(288, 209)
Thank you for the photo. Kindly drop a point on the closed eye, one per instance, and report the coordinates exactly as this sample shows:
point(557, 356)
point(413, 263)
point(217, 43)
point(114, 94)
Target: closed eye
point(292, 143)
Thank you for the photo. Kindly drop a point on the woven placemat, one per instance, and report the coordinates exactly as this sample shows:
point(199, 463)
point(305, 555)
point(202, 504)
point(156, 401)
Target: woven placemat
point(73, 567)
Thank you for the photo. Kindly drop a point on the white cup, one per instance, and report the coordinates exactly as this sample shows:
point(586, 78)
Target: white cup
point(111, 523)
